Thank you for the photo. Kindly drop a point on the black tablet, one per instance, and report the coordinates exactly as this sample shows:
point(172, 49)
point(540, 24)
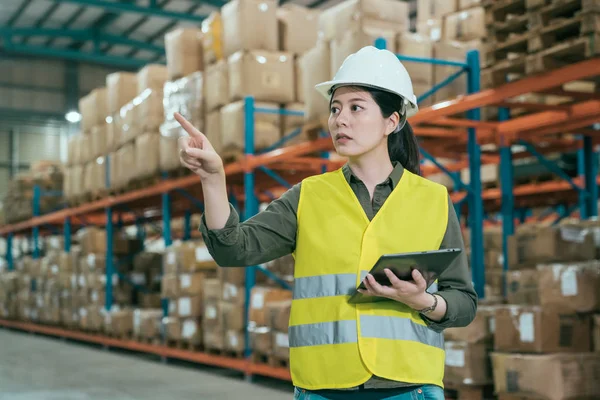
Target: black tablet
point(431, 264)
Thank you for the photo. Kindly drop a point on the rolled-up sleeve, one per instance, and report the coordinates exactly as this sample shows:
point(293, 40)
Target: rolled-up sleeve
point(455, 284)
point(268, 235)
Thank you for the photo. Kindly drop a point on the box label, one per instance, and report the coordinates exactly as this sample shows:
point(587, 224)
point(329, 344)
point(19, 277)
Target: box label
point(282, 339)
point(568, 282)
point(258, 300)
point(188, 329)
point(455, 357)
point(233, 340)
point(185, 281)
point(526, 328)
point(184, 307)
point(492, 324)
point(171, 258)
point(202, 254)
point(211, 312)
point(91, 260)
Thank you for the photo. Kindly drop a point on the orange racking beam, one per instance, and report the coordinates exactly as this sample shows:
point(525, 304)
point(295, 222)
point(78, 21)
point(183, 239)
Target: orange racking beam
point(238, 364)
point(537, 83)
point(464, 123)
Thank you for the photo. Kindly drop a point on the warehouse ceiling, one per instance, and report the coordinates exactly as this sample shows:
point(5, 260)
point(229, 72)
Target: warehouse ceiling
point(123, 33)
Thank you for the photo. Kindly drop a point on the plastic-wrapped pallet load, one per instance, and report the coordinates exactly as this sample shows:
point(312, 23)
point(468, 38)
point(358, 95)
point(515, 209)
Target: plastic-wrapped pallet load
point(184, 96)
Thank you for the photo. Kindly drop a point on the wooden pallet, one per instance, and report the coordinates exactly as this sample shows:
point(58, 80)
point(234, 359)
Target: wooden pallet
point(184, 345)
point(504, 71)
point(557, 31)
point(469, 392)
point(224, 353)
point(561, 10)
point(563, 54)
point(501, 31)
point(503, 10)
point(270, 359)
point(156, 341)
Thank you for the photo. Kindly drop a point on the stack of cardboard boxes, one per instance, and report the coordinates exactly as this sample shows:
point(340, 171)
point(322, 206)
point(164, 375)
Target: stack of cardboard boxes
point(553, 289)
point(187, 266)
point(18, 201)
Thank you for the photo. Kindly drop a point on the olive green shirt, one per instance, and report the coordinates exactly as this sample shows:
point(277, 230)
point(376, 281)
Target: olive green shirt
point(272, 234)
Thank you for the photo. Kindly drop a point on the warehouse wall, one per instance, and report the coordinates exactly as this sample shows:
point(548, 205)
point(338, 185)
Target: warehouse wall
point(29, 90)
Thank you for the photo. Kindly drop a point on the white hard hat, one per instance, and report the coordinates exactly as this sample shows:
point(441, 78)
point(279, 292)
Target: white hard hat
point(374, 68)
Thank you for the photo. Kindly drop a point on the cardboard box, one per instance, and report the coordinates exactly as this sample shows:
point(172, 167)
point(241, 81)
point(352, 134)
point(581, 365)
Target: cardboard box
point(249, 25)
point(467, 363)
point(212, 38)
point(170, 285)
point(281, 346)
point(213, 314)
point(119, 322)
point(234, 341)
point(233, 294)
point(522, 287)
point(267, 127)
point(213, 130)
point(93, 109)
point(352, 15)
point(147, 148)
point(233, 275)
point(152, 77)
point(191, 284)
point(232, 316)
point(172, 328)
point(260, 297)
point(214, 338)
point(150, 110)
point(551, 376)
point(315, 67)
point(98, 140)
point(93, 241)
point(190, 306)
point(168, 152)
point(290, 123)
point(121, 89)
point(537, 330)
point(191, 331)
point(298, 28)
point(492, 238)
point(298, 79)
point(146, 323)
point(455, 51)
point(435, 9)
point(216, 87)
point(573, 287)
point(183, 47)
point(261, 340)
point(480, 330)
point(268, 76)
point(278, 314)
point(467, 4)
point(541, 244)
point(188, 257)
point(212, 290)
point(352, 41)
point(465, 25)
point(431, 29)
point(416, 45)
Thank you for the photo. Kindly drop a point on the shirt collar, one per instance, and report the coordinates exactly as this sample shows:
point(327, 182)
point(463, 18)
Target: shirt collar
point(393, 179)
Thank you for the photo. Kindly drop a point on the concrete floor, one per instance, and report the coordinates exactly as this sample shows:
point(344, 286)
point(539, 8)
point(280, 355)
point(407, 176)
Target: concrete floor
point(34, 367)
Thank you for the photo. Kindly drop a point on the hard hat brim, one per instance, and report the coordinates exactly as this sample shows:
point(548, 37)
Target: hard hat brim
point(325, 87)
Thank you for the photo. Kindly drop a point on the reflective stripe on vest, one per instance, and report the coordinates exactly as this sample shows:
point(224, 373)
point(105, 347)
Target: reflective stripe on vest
point(371, 326)
point(310, 287)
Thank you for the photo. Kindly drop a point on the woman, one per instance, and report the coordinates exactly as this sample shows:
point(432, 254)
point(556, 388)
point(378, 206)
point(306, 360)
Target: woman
point(337, 225)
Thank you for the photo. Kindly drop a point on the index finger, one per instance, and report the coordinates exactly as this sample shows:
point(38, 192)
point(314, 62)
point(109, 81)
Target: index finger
point(189, 128)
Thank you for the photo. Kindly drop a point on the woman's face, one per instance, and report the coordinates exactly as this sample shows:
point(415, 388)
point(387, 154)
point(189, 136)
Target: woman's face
point(355, 122)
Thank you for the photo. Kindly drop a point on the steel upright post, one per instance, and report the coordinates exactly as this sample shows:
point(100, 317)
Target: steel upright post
point(251, 207)
point(475, 197)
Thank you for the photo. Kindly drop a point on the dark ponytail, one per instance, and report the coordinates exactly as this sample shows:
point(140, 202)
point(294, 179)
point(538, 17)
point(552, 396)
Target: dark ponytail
point(402, 146)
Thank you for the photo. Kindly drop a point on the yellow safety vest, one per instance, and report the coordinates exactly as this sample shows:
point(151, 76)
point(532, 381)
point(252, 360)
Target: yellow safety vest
point(336, 345)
